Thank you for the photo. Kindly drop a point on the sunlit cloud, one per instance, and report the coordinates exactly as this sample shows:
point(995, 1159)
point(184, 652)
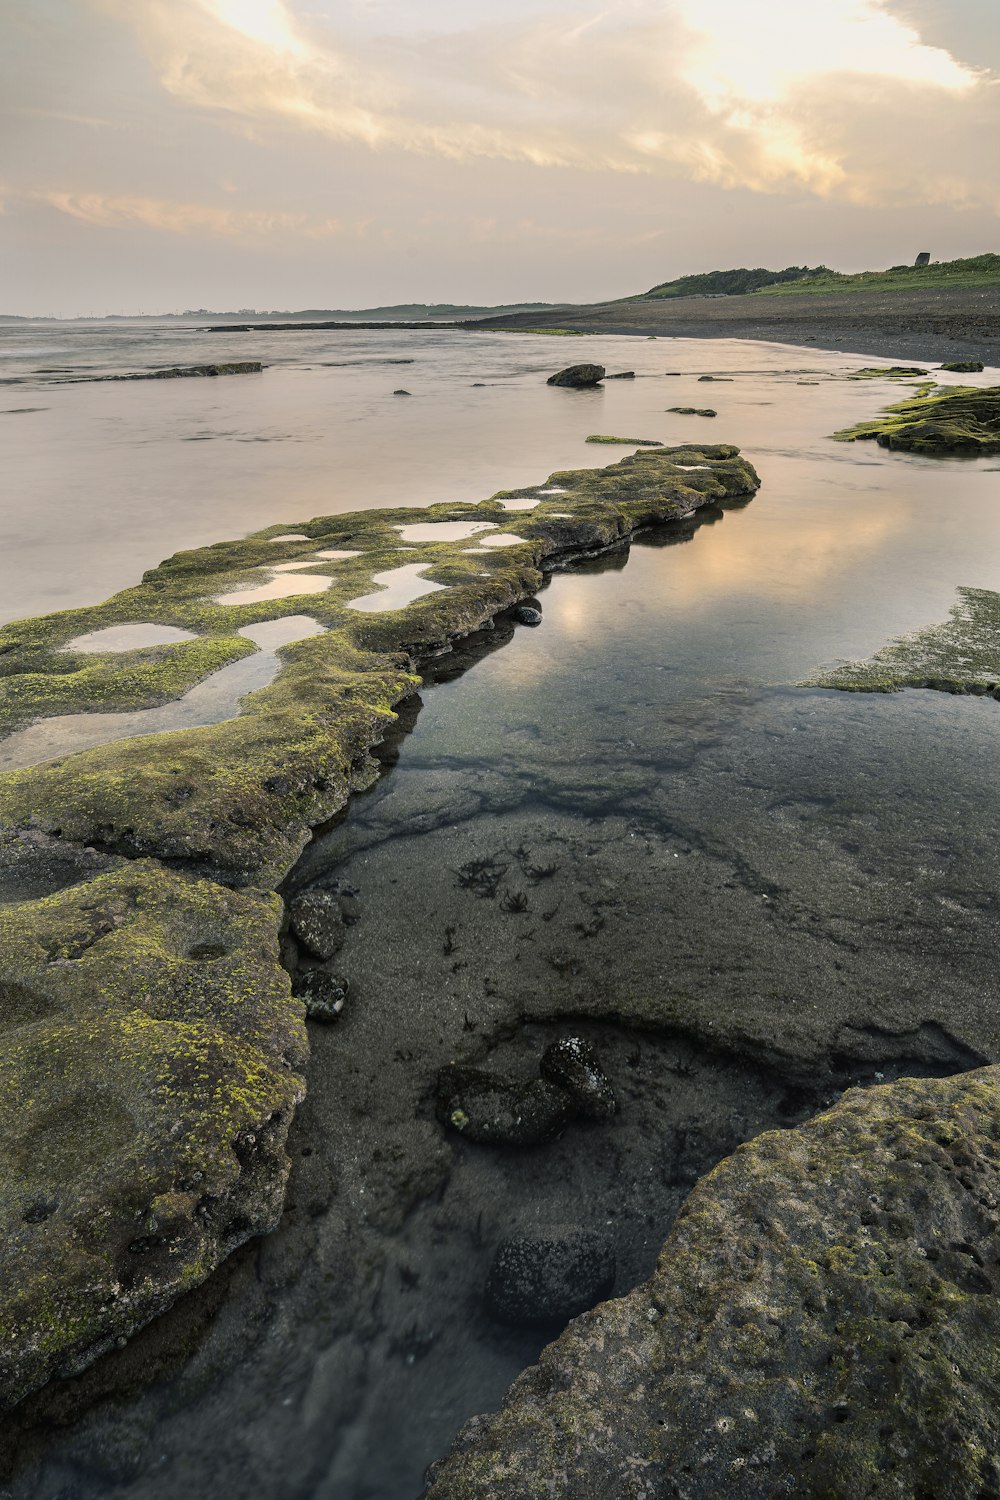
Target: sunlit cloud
point(717, 91)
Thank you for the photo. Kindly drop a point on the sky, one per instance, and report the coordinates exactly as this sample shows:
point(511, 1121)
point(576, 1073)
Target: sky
point(158, 155)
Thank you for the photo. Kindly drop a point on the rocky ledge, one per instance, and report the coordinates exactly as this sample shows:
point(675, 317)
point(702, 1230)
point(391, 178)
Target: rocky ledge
point(824, 1321)
point(960, 420)
point(151, 1050)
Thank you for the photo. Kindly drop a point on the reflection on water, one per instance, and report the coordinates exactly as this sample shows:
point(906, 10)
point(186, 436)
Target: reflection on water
point(285, 583)
point(217, 698)
point(102, 482)
point(442, 531)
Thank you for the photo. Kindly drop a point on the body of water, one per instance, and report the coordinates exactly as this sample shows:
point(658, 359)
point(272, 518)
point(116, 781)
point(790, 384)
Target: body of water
point(629, 822)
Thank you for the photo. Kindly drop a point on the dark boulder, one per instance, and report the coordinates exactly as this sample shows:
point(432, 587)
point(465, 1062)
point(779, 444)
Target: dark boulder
point(526, 614)
point(324, 994)
point(573, 1065)
point(547, 1277)
point(495, 1110)
point(578, 377)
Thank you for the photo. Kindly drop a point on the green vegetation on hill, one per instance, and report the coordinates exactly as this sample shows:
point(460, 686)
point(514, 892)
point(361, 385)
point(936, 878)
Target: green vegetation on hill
point(975, 270)
point(734, 283)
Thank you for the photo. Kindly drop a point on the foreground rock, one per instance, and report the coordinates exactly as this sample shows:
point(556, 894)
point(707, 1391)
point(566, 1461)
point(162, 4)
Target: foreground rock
point(495, 1110)
point(578, 377)
point(150, 1063)
point(824, 1321)
point(965, 421)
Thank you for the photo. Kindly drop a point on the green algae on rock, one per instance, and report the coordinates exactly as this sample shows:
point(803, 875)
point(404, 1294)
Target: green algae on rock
point(961, 655)
point(629, 442)
point(964, 421)
point(693, 411)
point(965, 366)
point(824, 1320)
point(887, 372)
point(151, 1063)
point(237, 799)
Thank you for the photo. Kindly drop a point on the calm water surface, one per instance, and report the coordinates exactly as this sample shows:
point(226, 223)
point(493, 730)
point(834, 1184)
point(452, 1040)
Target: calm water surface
point(681, 819)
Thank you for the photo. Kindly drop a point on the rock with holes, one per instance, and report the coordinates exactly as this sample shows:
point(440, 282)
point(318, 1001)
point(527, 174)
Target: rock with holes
point(547, 1276)
point(495, 1110)
point(572, 1064)
point(824, 1321)
point(151, 1059)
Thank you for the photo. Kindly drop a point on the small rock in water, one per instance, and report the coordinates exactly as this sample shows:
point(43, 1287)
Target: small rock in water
point(573, 1065)
point(965, 366)
point(579, 377)
point(401, 393)
point(622, 375)
point(549, 1276)
point(526, 615)
point(324, 994)
point(495, 1110)
point(317, 921)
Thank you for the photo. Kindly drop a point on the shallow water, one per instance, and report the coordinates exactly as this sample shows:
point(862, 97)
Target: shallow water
point(397, 587)
point(632, 804)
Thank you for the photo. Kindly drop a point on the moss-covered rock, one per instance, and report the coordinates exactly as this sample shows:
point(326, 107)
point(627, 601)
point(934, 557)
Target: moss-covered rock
point(824, 1321)
point(961, 655)
point(151, 1058)
point(963, 422)
point(965, 366)
point(238, 798)
point(887, 372)
point(598, 437)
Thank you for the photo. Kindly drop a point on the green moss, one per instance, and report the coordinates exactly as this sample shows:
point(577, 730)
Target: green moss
point(886, 372)
point(629, 442)
point(964, 421)
point(239, 797)
point(149, 1041)
point(961, 655)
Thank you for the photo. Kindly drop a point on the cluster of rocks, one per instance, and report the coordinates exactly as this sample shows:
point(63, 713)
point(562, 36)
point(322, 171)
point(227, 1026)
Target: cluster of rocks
point(318, 919)
point(541, 1275)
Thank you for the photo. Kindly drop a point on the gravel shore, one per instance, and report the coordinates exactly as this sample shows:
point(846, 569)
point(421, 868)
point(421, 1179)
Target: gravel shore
point(930, 325)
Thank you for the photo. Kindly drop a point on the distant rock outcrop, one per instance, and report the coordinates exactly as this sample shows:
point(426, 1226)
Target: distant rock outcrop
point(579, 377)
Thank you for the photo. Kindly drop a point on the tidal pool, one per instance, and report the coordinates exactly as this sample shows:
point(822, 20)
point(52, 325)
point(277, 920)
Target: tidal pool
point(398, 587)
point(209, 702)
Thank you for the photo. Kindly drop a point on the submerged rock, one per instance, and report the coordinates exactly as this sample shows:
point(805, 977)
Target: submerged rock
point(495, 1110)
point(964, 421)
point(401, 393)
point(317, 921)
point(325, 995)
point(631, 442)
point(579, 377)
point(180, 372)
point(526, 614)
point(573, 1065)
point(693, 411)
point(622, 375)
point(824, 1321)
point(549, 1276)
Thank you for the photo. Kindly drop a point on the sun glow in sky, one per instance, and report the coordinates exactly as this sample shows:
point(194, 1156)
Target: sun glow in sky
point(752, 52)
point(341, 152)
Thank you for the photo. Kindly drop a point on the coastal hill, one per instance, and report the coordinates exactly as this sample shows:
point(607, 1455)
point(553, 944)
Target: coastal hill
point(976, 270)
point(949, 310)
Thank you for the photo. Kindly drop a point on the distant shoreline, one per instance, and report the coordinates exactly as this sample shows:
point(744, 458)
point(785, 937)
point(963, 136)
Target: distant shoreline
point(930, 325)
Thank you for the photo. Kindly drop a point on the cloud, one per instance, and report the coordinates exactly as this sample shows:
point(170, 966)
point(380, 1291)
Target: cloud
point(774, 97)
point(172, 217)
